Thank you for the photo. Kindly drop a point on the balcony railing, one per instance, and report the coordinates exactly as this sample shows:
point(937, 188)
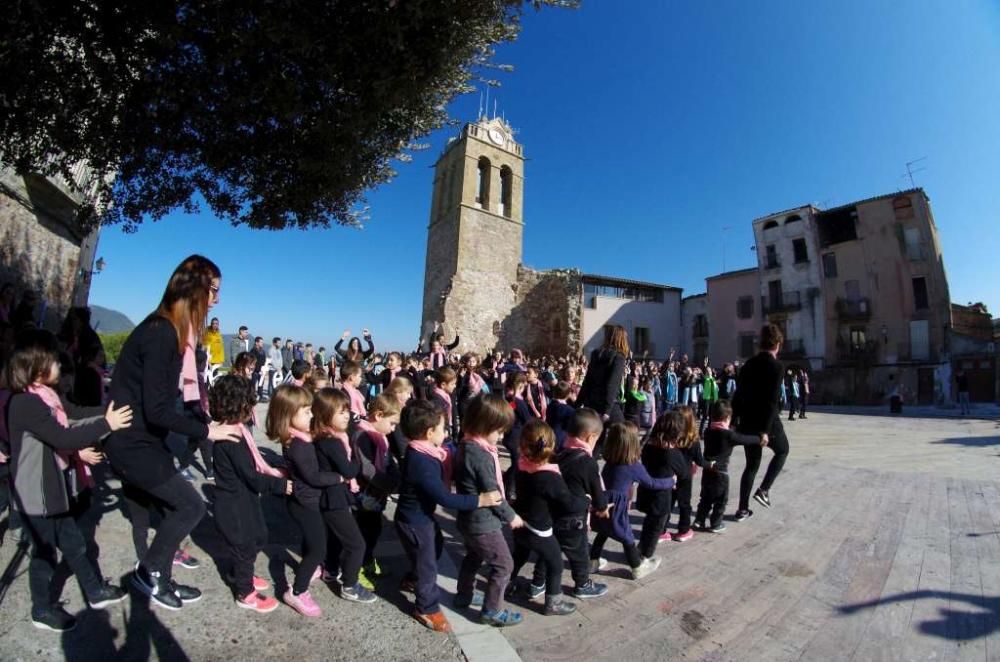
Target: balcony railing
point(857, 352)
point(771, 262)
point(788, 301)
point(854, 309)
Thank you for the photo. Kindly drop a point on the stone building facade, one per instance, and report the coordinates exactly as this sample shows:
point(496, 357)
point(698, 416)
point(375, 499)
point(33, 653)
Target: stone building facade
point(734, 315)
point(42, 248)
point(696, 334)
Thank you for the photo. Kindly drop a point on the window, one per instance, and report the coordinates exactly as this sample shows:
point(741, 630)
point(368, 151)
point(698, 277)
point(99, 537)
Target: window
point(771, 259)
point(637, 293)
point(830, 265)
point(858, 337)
point(770, 225)
point(852, 290)
point(794, 218)
point(801, 252)
point(744, 308)
point(700, 326)
point(902, 208)
point(506, 190)
point(747, 345)
point(920, 299)
point(483, 183)
point(911, 238)
point(641, 340)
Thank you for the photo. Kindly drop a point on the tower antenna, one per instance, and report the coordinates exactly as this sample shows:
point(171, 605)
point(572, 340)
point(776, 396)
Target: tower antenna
point(494, 107)
point(910, 170)
point(487, 99)
point(480, 115)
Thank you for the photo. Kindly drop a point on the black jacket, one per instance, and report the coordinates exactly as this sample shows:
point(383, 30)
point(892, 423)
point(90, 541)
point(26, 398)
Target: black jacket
point(476, 473)
point(146, 377)
point(543, 496)
point(758, 394)
point(603, 381)
point(238, 487)
point(719, 445)
point(308, 482)
point(583, 477)
point(332, 457)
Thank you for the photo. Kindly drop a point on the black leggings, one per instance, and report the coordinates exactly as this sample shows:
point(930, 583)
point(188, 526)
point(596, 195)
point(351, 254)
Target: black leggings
point(345, 548)
point(370, 524)
point(313, 529)
point(182, 509)
point(631, 550)
point(49, 535)
point(653, 527)
point(526, 542)
point(778, 443)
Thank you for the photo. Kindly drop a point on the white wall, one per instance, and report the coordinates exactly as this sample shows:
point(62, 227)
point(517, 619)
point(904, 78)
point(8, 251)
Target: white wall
point(662, 319)
point(691, 308)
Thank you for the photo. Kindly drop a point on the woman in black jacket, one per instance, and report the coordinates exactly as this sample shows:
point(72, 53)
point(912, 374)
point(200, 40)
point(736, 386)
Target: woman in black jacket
point(603, 383)
point(157, 364)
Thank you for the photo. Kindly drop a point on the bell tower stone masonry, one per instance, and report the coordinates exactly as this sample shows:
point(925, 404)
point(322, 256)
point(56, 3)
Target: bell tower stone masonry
point(475, 236)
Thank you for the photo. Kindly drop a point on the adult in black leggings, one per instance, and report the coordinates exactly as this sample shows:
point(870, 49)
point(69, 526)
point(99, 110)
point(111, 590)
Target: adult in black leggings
point(602, 385)
point(757, 411)
point(148, 376)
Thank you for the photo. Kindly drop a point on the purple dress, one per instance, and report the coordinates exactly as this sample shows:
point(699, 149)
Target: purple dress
point(618, 481)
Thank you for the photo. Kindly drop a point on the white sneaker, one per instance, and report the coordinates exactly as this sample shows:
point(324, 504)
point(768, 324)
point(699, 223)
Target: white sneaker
point(645, 567)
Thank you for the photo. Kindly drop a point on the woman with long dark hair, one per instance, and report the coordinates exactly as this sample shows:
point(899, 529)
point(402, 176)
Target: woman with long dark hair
point(602, 386)
point(155, 373)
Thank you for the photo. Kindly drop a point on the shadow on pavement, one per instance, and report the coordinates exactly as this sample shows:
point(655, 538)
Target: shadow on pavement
point(954, 625)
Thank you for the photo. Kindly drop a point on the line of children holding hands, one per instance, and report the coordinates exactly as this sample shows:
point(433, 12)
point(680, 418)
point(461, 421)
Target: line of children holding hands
point(338, 481)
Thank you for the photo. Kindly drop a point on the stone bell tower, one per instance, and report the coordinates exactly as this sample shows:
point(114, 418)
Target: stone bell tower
point(474, 240)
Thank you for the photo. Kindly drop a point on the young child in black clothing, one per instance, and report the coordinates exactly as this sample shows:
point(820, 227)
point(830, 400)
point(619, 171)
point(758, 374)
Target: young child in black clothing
point(690, 446)
point(579, 470)
point(517, 386)
point(445, 381)
point(541, 495)
point(241, 478)
point(719, 443)
point(559, 414)
point(662, 458)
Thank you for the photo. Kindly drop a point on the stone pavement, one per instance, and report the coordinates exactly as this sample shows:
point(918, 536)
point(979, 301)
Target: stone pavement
point(883, 544)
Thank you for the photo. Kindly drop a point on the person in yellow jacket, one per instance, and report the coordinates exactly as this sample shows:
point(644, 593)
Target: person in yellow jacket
point(213, 341)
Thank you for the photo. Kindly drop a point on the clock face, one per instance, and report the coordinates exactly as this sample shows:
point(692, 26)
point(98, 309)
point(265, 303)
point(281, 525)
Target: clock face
point(496, 136)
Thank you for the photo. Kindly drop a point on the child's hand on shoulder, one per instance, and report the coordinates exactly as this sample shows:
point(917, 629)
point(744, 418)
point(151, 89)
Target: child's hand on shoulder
point(517, 522)
point(288, 487)
point(764, 440)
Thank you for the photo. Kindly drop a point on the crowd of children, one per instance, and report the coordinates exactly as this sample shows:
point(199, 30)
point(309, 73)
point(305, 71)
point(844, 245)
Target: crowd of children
point(423, 431)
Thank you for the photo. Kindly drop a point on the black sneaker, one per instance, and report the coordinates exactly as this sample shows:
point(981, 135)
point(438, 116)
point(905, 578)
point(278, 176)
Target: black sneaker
point(589, 590)
point(742, 515)
point(535, 591)
point(158, 588)
point(718, 528)
point(357, 594)
point(556, 606)
point(761, 497)
point(53, 618)
point(107, 595)
point(186, 593)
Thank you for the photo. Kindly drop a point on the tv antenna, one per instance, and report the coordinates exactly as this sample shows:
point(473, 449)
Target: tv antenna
point(910, 170)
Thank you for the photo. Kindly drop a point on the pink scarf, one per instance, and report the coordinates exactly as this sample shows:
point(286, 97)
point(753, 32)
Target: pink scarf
point(63, 458)
point(438, 453)
point(444, 395)
point(357, 400)
point(438, 359)
point(528, 467)
point(258, 459)
point(492, 450)
point(345, 441)
point(381, 444)
point(543, 403)
point(573, 442)
point(189, 370)
point(476, 383)
point(718, 425)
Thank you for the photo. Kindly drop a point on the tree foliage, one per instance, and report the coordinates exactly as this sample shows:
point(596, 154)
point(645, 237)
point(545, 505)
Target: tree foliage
point(276, 113)
point(113, 343)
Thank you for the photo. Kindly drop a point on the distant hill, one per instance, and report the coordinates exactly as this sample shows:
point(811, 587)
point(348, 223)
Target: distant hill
point(105, 320)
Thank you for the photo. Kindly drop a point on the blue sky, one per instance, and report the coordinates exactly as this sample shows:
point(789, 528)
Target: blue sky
point(649, 127)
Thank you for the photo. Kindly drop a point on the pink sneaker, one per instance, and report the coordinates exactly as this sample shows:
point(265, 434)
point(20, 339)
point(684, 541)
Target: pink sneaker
point(317, 575)
point(259, 603)
point(666, 536)
point(260, 584)
point(303, 603)
point(684, 537)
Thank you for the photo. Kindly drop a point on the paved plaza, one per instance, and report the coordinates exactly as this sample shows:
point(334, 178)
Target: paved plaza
point(883, 544)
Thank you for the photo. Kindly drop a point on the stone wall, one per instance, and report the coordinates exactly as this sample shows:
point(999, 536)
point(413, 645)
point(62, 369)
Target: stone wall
point(547, 313)
point(38, 248)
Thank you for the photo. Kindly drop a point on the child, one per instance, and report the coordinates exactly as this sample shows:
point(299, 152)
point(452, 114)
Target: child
point(709, 394)
point(477, 470)
point(542, 495)
point(635, 400)
point(471, 382)
point(48, 465)
point(719, 443)
point(445, 381)
point(401, 389)
point(535, 394)
point(426, 471)
point(241, 477)
point(559, 414)
point(685, 468)
point(350, 383)
point(661, 457)
point(517, 386)
point(669, 386)
point(579, 470)
point(379, 475)
point(393, 367)
point(647, 412)
point(621, 470)
point(346, 549)
point(289, 416)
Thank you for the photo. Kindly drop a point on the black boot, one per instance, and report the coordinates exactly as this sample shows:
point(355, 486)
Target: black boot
point(556, 606)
